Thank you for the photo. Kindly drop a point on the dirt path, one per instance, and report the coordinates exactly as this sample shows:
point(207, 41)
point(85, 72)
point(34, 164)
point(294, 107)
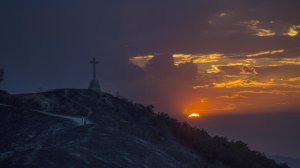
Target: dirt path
point(77, 120)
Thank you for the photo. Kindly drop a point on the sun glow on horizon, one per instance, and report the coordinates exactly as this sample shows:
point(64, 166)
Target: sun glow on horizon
point(194, 115)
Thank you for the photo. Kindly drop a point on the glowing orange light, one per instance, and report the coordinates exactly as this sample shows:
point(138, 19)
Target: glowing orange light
point(193, 115)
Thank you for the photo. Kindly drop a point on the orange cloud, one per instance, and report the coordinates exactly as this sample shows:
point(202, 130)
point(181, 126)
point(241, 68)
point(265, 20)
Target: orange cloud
point(214, 69)
point(293, 31)
point(258, 31)
point(227, 107)
point(182, 58)
point(196, 59)
point(234, 96)
point(274, 92)
point(294, 61)
point(141, 61)
point(222, 14)
point(271, 52)
point(242, 83)
point(248, 70)
point(296, 79)
point(265, 32)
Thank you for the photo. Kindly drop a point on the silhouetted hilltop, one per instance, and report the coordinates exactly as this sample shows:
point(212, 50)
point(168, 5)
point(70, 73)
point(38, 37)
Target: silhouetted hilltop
point(82, 128)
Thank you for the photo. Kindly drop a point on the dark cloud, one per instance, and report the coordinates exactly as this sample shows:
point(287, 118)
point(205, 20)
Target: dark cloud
point(267, 72)
point(164, 80)
point(283, 71)
point(187, 72)
point(238, 70)
point(161, 67)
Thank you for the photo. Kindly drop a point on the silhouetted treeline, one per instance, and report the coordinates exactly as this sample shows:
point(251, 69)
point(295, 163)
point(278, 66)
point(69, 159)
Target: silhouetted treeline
point(233, 153)
point(217, 150)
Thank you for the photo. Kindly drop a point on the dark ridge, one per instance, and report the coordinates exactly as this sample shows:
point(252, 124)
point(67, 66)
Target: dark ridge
point(121, 134)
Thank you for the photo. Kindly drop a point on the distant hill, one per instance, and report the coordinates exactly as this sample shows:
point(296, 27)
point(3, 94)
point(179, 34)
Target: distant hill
point(82, 128)
point(292, 162)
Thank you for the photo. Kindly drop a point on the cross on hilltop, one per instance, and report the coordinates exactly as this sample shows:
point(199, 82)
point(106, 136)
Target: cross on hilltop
point(94, 83)
point(94, 62)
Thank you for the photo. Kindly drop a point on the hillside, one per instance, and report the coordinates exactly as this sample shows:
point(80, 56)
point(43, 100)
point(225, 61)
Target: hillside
point(292, 162)
point(81, 128)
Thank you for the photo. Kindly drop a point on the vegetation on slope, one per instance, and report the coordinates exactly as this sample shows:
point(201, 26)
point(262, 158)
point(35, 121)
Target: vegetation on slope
point(218, 149)
point(144, 122)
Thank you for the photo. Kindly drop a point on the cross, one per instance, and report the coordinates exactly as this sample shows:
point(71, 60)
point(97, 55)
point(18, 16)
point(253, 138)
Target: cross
point(94, 62)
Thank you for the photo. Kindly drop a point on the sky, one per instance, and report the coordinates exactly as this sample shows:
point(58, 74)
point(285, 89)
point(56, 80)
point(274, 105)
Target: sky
point(236, 63)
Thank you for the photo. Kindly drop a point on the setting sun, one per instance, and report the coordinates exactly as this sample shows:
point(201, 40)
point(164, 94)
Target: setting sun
point(193, 115)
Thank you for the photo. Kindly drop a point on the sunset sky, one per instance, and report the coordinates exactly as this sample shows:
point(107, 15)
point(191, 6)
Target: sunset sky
point(226, 60)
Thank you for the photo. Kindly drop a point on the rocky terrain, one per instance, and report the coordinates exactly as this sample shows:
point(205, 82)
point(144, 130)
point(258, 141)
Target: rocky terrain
point(82, 128)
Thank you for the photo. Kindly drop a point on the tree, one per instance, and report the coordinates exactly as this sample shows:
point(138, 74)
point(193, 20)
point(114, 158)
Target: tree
point(1, 74)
